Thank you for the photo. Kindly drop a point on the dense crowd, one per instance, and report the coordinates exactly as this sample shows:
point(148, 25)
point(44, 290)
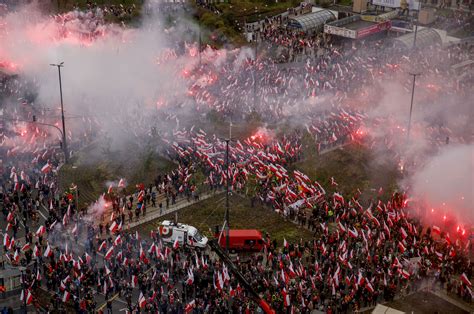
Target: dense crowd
point(361, 253)
point(358, 255)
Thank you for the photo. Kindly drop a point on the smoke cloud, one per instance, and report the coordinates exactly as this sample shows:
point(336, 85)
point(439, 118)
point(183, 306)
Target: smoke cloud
point(446, 182)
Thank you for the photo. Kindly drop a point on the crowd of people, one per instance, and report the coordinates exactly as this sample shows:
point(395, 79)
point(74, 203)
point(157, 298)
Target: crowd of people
point(360, 254)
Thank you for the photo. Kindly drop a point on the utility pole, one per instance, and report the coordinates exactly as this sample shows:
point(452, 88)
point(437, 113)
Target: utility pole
point(255, 72)
point(411, 104)
point(227, 209)
point(227, 205)
point(416, 25)
point(66, 153)
point(200, 44)
point(23, 286)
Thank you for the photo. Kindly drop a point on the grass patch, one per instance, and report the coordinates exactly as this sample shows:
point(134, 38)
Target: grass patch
point(210, 212)
point(92, 167)
point(353, 167)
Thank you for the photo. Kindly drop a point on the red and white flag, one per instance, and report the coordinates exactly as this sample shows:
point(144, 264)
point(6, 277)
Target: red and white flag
point(102, 246)
point(465, 280)
point(46, 168)
point(48, 252)
point(41, 230)
point(176, 244)
point(29, 297)
point(436, 229)
point(109, 253)
point(66, 296)
point(142, 301)
point(189, 307)
point(134, 281)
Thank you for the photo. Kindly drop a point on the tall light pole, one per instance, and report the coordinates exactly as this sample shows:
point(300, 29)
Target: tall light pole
point(227, 228)
point(200, 45)
point(255, 72)
point(416, 25)
point(66, 153)
point(411, 103)
point(227, 205)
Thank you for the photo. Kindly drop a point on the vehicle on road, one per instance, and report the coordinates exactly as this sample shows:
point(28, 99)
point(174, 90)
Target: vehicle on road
point(172, 232)
point(241, 239)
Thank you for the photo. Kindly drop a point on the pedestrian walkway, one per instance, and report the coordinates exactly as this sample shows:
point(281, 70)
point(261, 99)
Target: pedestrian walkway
point(180, 204)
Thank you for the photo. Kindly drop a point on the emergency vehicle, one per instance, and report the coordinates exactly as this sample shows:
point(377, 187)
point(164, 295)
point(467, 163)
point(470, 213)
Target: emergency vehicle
point(171, 231)
point(241, 240)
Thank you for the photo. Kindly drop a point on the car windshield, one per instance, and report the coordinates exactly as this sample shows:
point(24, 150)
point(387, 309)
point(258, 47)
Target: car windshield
point(198, 236)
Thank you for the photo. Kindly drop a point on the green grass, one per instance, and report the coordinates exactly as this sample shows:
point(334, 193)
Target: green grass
point(55, 6)
point(210, 212)
point(353, 167)
point(92, 167)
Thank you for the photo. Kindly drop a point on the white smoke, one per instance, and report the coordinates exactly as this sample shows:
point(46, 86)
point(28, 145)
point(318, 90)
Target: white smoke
point(446, 182)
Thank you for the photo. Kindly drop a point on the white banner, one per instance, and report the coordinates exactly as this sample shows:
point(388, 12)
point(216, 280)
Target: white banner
point(412, 4)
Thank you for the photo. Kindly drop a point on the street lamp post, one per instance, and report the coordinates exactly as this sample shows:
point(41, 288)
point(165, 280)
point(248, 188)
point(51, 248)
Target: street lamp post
point(66, 154)
point(411, 104)
point(227, 204)
point(227, 230)
point(23, 286)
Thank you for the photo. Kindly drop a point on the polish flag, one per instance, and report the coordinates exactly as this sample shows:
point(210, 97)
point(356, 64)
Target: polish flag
point(189, 307)
point(74, 230)
point(41, 230)
point(88, 258)
point(176, 244)
point(134, 281)
point(29, 297)
point(113, 227)
point(66, 296)
point(121, 183)
point(190, 279)
point(436, 229)
point(25, 247)
point(404, 233)
point(102, 246)
point(360, 279)
point(118, 240)
point(16, 256)
point(285, 243)
point(286, 298)
point(36, 251)
point(6, 240)
point(465, 280)
point(10, 216)
point(404, 274)
point(110, 189)
point(341, 227)
point(46, 168)
point(401, 247)
point(142, 301)
point(48, 252)
point(142, 253)
point(369, 287)
point(353, 233)
point(108, 255)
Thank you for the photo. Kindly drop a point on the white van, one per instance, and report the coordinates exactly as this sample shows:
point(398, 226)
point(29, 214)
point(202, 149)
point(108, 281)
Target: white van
point(170, 231)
